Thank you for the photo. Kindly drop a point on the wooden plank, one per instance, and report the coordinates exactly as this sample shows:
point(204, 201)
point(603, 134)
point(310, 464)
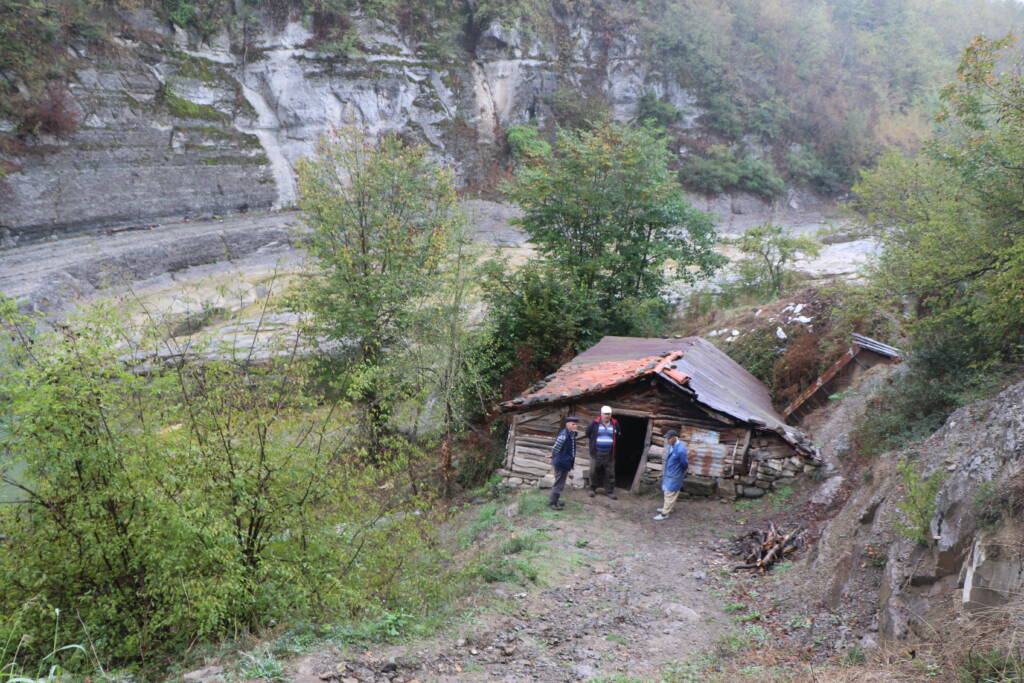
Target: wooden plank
point(635, 488)
point(510, 446)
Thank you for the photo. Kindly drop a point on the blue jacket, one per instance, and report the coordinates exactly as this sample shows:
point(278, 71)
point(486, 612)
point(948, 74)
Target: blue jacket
point(676, 463)
point(563, 453)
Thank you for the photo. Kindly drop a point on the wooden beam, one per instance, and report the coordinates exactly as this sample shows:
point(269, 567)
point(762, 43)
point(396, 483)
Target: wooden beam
point(827, 376)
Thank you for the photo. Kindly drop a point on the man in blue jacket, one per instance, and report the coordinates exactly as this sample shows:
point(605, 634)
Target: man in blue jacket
point(674, 473)
point(563, 457)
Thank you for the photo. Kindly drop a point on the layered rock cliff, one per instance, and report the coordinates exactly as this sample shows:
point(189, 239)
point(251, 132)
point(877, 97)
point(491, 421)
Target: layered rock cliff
point(171, 126)
point(970, 559)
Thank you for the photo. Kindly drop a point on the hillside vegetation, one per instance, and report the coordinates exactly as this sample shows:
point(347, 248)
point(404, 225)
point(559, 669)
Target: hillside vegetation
point(784, 91)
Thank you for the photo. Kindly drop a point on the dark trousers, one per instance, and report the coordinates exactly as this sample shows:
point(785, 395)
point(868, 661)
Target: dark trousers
point(602, 471)
point(556, 490)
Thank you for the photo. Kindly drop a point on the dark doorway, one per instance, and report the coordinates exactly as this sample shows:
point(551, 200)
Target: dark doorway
point(629, 449)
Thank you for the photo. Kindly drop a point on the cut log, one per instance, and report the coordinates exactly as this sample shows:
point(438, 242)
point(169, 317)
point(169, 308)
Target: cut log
point(761, 550)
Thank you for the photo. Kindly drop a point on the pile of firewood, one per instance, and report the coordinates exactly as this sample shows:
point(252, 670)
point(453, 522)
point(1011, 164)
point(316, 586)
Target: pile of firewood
point(762, 549)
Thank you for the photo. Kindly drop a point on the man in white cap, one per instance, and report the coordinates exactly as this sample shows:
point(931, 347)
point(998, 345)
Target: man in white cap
point(603, 434)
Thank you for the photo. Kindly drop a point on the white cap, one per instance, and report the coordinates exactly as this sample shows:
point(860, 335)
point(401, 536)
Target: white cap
point(606, 409)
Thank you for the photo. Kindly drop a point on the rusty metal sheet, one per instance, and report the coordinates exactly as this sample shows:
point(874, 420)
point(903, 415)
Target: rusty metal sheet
point(696, 434)
point(708, 459)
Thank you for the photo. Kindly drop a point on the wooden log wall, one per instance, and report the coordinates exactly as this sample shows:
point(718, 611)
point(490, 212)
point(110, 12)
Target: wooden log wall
point(717, 449)
point(532, 436)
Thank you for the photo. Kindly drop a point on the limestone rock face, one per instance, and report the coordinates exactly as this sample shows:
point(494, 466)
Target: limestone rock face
point(979, 449)
point(172, 127)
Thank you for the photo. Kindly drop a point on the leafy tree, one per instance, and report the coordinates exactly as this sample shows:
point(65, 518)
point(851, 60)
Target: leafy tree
point(384, 229)
point(607, 213)
point(723, 169)
point(768, 252)
point(656, 112)
point(950, 220)
point(535, 321)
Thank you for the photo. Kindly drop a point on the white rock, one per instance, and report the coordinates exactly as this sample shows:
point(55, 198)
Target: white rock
point(779, 333)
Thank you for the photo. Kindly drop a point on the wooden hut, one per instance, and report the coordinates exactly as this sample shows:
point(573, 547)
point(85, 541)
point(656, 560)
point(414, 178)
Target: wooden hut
point(722, 412)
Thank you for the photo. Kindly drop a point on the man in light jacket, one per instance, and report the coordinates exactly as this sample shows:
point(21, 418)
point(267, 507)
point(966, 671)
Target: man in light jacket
point(563, 457)
point(674, 473)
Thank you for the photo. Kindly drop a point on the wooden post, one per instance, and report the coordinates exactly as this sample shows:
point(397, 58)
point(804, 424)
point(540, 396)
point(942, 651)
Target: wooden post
point(746, 454)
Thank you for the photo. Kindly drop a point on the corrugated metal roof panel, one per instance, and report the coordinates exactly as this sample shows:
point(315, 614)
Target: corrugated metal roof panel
point(876, 346)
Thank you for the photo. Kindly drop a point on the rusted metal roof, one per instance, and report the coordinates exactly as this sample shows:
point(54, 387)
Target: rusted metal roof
point(692, 364)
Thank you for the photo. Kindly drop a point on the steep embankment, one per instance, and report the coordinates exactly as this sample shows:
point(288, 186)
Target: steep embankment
point(967, 557)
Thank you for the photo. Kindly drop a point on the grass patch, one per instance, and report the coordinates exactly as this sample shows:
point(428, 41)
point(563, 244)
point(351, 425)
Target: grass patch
point(616, 638)
point(184, 109)
point(854, 656)
point(486, 520)
point(744, 618)
point(518, 544)
point(778, 499)
point(262, 665)
point(734, 607)
point(535, 504)
point(505, 569)
point(993, 665)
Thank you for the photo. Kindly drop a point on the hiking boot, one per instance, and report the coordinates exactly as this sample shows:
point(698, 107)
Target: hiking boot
point(556, 506)
point(611, 494)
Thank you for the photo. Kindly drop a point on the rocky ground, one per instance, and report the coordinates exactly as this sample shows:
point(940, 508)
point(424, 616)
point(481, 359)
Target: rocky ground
point(616, 597)
point(617, 593)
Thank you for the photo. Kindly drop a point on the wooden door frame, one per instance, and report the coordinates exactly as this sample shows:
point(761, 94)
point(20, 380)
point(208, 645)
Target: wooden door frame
point(635, 488)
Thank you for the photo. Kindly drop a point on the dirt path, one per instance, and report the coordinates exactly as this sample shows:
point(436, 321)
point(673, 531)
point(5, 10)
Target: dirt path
point(616, 594)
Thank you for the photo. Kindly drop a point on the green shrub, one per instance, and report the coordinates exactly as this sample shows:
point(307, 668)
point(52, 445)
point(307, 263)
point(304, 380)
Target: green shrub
point(164, 502)
point(769, 252)
point(575, 109)
point(526, 144)
point(804, 165)
point(204, 16)
point(906, 411)
point(757, 352)
point(918, 504)
point(656, 112)
point(724, 169)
